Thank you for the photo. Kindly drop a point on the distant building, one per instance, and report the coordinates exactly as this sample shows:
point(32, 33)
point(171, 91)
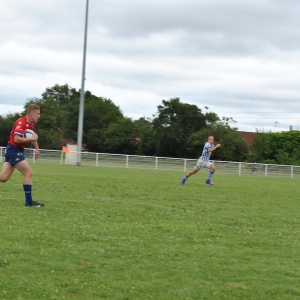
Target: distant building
point(248, 137)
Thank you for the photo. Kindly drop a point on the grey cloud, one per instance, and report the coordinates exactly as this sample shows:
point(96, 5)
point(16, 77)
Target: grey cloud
point(200, 27)
point(209, 27)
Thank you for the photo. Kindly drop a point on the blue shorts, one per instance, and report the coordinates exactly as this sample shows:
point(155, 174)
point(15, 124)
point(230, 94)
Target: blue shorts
point(14, 155)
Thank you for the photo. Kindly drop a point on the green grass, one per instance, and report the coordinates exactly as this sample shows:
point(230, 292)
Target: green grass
point(134, 234)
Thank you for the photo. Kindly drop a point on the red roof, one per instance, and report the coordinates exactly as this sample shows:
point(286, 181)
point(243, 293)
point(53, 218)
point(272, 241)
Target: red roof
point(248, 136)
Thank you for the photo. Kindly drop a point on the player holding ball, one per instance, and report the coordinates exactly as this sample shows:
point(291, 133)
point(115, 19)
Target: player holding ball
point(14, 156)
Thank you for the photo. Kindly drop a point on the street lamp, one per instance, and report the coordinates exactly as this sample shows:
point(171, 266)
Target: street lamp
point(81, 105)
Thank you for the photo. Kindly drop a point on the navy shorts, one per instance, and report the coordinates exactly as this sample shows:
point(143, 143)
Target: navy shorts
point(14, 155)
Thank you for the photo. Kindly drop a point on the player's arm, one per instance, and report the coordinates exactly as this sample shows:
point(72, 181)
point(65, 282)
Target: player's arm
point(19, 139)
point(37, 149)
point(214, 148)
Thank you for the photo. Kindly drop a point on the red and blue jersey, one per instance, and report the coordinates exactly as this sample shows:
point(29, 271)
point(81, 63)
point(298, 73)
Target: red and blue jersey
point(18, 129)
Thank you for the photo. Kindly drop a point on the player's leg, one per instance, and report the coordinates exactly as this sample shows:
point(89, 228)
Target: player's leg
point(212, 169)
point(26, 170)
point(192, 172)
point(7, 171)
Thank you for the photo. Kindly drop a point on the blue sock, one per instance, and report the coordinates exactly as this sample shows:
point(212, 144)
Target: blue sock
point(210, 175)
point(27, 191)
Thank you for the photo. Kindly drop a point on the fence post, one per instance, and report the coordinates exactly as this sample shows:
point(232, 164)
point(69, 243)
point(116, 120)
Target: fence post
point(127, 161)
point(156, 163)
point(240, 168)
point(292, 171)
point(97, 159)
point(184, 165)
point(266, 170)
point(33, 156)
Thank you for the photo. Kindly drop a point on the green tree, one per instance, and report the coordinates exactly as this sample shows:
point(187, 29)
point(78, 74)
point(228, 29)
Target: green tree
point(211, 117)
point(177, 130)
point(62, 94)
point(65, 97)
point(145, 137)
point(257, 151)
point(6, 124)
point(99, 113)
point(283, 147)
point(174, 123)
point(60, 113)
point(234, 147)
point(121, 137)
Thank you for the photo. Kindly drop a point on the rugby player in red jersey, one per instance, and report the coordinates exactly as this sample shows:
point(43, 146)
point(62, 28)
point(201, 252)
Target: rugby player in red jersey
point(14, 156)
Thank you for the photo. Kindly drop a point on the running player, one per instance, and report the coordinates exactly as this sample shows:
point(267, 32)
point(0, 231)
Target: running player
point(14, 156)
point(203, 161)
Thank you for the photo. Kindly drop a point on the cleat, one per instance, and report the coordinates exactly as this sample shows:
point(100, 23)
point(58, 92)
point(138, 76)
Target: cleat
point(209, 182)
point(183, 180)
point(33, 203)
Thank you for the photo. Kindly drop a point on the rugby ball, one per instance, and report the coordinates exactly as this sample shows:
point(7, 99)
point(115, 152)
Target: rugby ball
point(28, 133)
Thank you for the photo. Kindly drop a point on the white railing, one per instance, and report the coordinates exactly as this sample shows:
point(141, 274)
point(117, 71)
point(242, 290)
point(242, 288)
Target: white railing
point(153, 163)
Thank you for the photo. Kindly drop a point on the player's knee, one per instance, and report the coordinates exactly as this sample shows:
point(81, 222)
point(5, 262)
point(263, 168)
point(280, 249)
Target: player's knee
point(213, 168)
point(3, 179)
point(28, 173)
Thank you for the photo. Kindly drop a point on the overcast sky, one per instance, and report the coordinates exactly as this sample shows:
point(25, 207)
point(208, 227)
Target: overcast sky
point(240, 58)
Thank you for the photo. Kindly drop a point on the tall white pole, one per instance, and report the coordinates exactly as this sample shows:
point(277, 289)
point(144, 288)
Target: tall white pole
point(81, 105)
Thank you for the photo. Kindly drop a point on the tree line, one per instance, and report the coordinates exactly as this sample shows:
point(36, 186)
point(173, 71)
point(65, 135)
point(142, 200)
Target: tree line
point(176, 130)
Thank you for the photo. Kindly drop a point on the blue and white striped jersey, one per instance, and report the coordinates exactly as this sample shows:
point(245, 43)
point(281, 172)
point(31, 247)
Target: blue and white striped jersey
point(205, 153)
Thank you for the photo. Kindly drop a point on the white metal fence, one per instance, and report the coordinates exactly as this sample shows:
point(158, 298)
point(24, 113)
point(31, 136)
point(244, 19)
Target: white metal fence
point(153, 163)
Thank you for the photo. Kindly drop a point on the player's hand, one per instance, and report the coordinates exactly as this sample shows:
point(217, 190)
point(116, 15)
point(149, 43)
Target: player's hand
point(34, 138)
point(218, 145)
point(37, 153)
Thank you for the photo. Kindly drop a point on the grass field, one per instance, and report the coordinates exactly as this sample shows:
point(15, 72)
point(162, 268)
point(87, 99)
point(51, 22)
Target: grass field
point(108, 233)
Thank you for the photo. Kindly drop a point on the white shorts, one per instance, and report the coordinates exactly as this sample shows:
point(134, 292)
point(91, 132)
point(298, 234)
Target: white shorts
point(202, 163)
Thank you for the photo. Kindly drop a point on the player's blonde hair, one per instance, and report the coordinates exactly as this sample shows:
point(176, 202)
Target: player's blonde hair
point(32, 107)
